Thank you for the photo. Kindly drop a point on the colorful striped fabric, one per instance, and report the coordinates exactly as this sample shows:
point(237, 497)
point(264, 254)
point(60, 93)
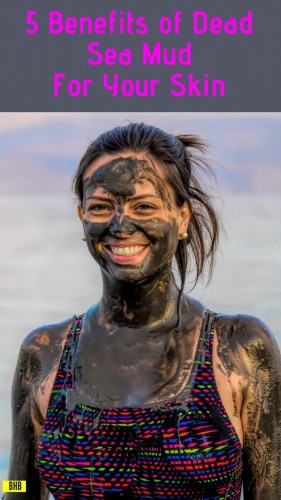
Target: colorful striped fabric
point(185, 448)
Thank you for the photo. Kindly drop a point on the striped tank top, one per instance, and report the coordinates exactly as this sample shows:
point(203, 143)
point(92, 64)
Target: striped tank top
point(185, 448)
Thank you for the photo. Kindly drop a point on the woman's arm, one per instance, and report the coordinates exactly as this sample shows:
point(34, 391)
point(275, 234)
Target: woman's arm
point(23, 447)
point(33, 381)
point(261, 414)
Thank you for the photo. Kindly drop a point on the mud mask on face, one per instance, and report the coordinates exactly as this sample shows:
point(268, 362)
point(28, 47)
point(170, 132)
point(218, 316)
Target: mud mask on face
point(119, 179)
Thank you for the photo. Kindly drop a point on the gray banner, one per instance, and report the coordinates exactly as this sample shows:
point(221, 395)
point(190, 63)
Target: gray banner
point(220, 55)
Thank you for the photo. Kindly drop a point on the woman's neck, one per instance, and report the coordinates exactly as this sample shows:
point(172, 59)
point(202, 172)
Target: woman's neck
point(152, 302)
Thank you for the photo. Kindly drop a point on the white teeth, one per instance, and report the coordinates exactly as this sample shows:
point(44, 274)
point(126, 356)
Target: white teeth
point(126, 250)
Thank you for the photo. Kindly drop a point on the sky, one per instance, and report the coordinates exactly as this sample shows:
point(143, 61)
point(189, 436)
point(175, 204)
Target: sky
point(46, 272)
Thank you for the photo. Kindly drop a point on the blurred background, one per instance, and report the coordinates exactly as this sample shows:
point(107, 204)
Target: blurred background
point(46, 272)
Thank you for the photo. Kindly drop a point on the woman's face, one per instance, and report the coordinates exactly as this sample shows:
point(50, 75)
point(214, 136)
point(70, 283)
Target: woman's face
point(130, 218)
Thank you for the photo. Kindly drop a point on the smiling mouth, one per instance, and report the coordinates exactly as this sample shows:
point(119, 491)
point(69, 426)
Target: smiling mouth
point(125, 253)
point(130, 250)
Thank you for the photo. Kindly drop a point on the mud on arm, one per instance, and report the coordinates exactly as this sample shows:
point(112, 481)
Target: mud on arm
point(261, 415)
point(23, 446)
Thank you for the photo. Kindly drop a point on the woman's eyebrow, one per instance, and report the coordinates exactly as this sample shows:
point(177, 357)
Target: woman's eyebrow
point(137, 197)
point(93, 197)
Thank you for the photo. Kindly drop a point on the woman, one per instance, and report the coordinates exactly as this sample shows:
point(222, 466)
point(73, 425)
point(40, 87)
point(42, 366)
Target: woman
point(148, 394)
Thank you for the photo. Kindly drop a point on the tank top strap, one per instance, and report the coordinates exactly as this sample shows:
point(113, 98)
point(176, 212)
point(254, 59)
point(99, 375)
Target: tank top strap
point(70, 346)
point(203, 356)
point(64, 376)
point(207, 337)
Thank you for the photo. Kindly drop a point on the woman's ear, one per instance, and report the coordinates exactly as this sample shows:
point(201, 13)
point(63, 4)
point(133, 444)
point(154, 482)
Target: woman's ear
point(185, 215)
point(79, 211)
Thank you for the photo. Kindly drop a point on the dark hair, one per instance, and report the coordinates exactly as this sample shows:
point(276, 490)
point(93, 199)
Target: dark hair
point(182, 158)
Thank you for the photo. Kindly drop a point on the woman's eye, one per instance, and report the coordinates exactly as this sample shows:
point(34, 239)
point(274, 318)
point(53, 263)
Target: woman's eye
point(145, 206)
point(99, 208)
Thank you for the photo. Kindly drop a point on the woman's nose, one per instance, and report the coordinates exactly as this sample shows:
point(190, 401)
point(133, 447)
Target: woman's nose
point(121, 224)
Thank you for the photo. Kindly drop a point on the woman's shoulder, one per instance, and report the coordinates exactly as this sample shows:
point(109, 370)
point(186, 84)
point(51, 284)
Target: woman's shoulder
point(245, 338)
point(39, 356)
point(243, 327)
point(41, 349)
point(233, 330)
point(50, 334)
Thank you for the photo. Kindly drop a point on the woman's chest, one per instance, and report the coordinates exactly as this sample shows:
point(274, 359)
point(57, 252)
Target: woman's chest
point(124, 445)
point(130, 369)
